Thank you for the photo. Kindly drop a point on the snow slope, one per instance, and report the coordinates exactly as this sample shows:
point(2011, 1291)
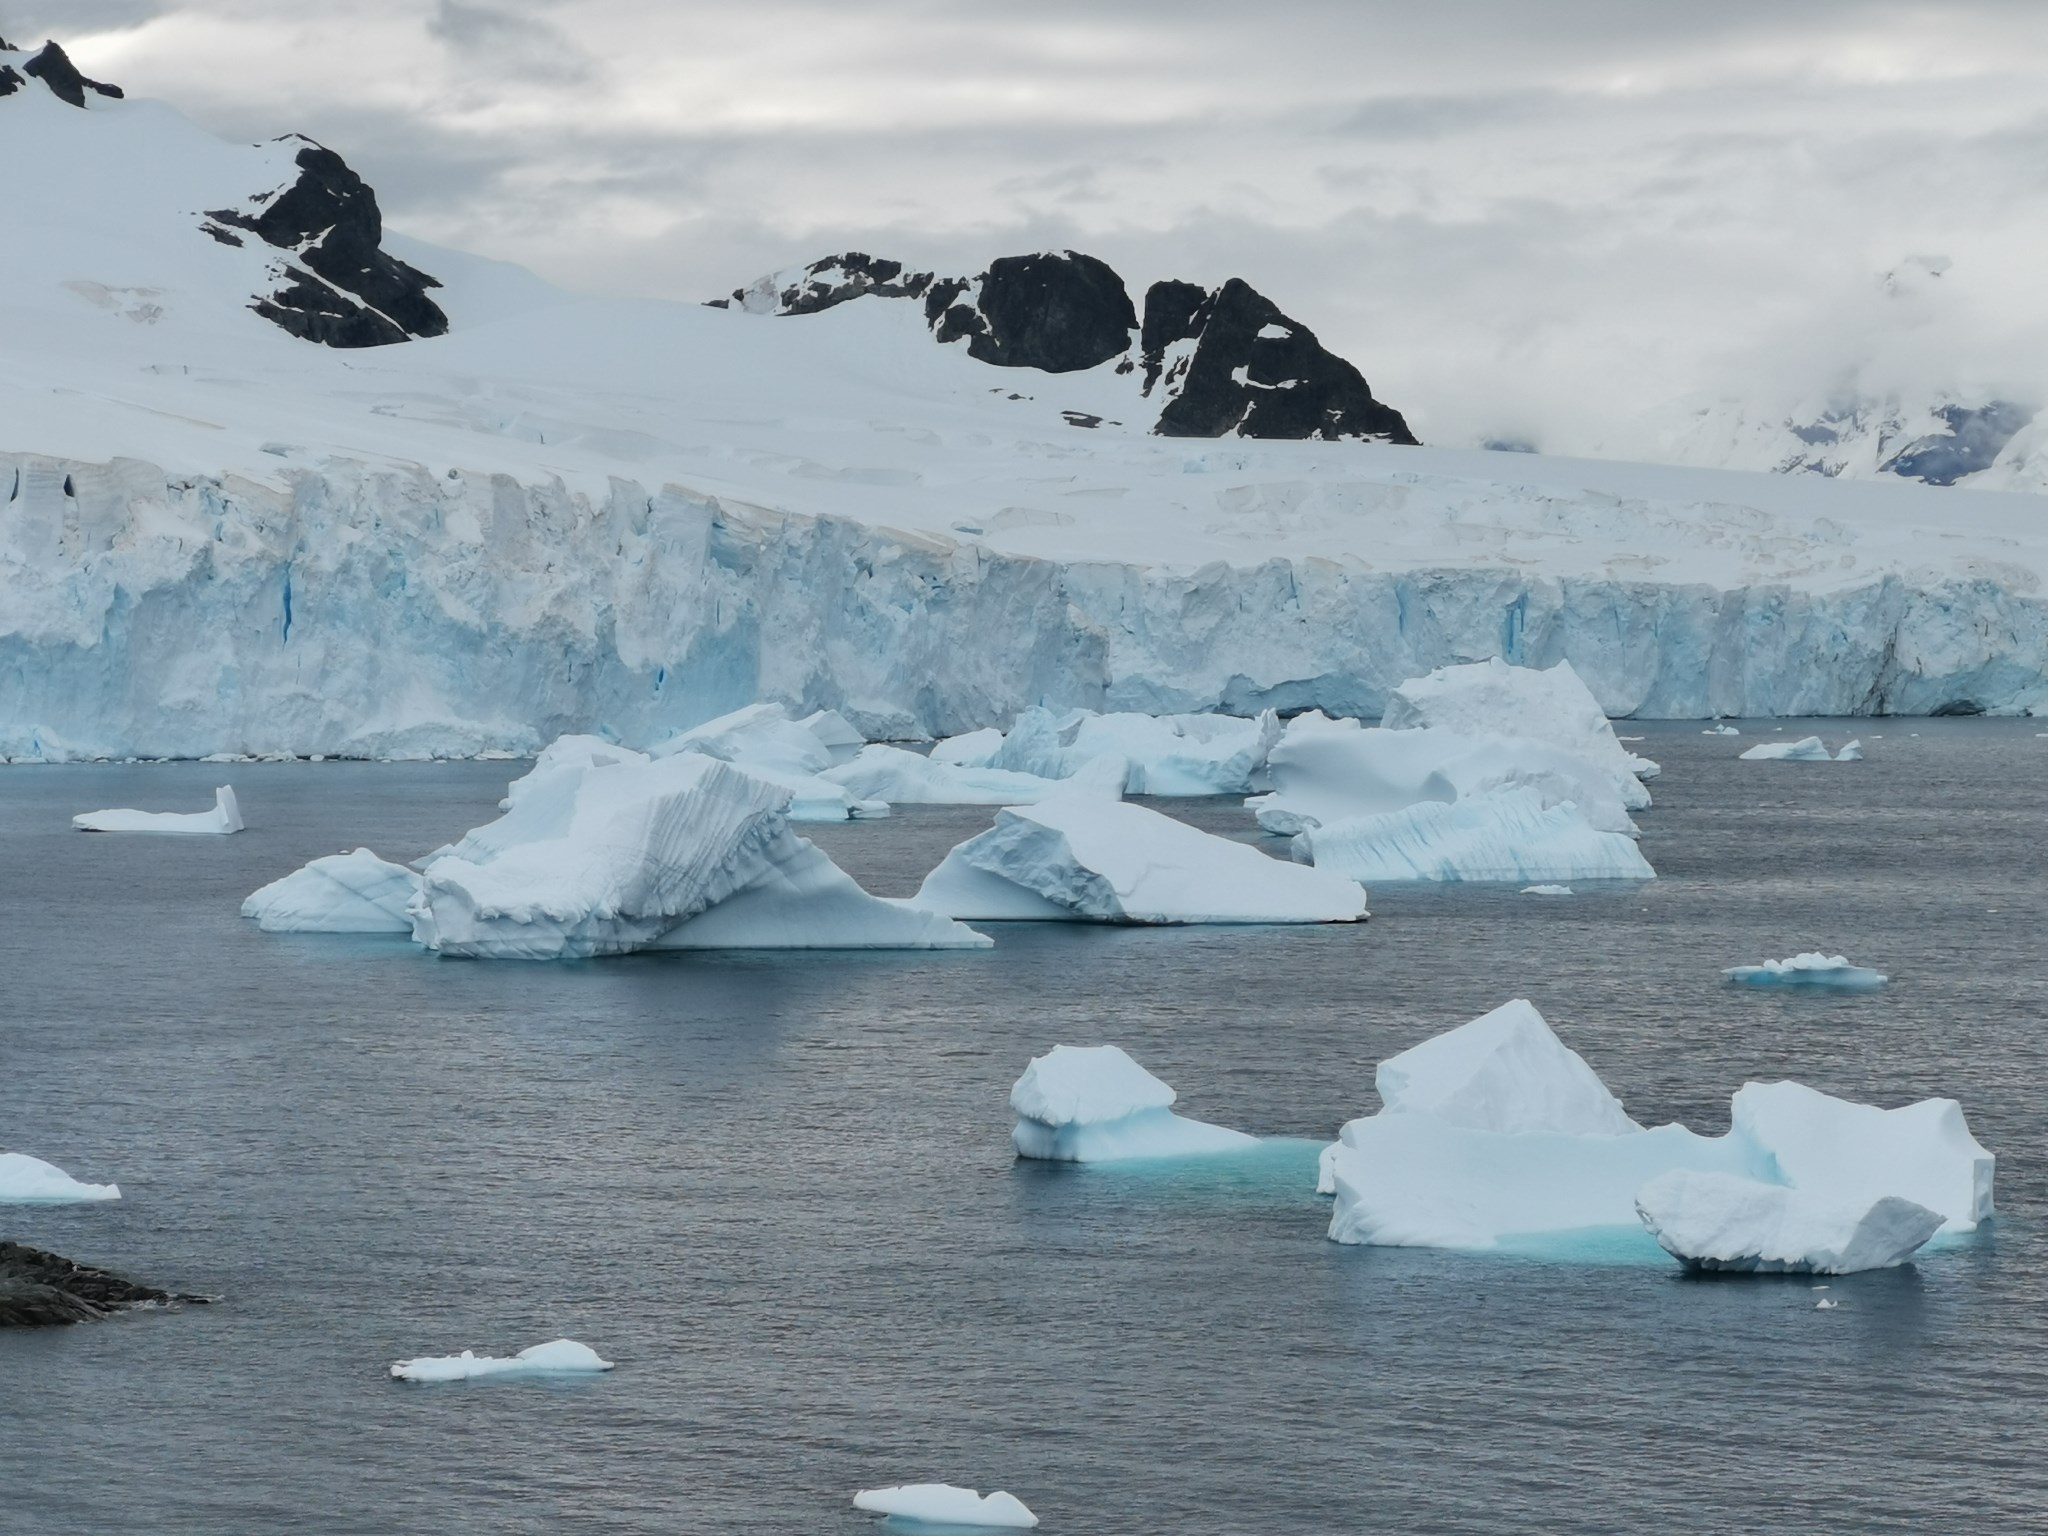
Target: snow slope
point(580, 515)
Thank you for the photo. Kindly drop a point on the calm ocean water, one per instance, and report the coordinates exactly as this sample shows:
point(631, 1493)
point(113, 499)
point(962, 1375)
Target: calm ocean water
point(778, 1191)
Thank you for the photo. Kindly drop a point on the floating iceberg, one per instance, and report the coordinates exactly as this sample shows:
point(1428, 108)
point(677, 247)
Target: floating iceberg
point(1504, 1071)
point(26, 1180)
point(1507, 834)
point(226, 816)
point(1808, 749)
point(569, 752)
point(1093, 1104)
point(943, 1504)
point(1852, 752)
point(1165, 754)
point(1074, 857)
point(1720, 730)
point(1714, 1221)
point(972, 749)
point(763, 741)
point(1491, 697)
point(608, 860)
point(560, 1357)
point(1324, 771)
point(1546, 890)
point(341, 893)
point(898, 777)
point(1812, 969)
point(835, 732)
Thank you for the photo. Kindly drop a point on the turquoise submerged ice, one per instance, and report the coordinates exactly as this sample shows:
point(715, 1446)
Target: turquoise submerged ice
point(1093, 1104)
point(1812, 969)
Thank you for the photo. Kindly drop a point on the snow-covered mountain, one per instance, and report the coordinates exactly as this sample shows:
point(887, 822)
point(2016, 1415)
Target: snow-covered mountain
point(563, 513)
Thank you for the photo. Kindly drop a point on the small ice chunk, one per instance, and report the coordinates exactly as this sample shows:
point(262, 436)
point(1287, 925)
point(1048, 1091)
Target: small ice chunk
point(341, 893)
point(26, 1180)
point(225, 817)
point(1812, 969)
point(1852, 752)
point(1504, 1071)
point(1093, 1104)
point(1808, 749)
point(1505, 834)
point(943, 1504)
point(1720, 730)
point(903, 778)
point(559, 1357)
point(1546, 890)
point(1717, 1221)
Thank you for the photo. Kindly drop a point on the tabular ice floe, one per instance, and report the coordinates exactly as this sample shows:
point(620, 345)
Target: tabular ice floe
point(942, 1504)
point(893, 775)
point(1093, 1104)
point(1808, 749)
point(26, 1180)
point(1078, 857)
point(1178, 755)
point(1715, 1221)
point(1498, 1131)
point(559, 1357)
point(1508, 834)
point(226, 816)
point(341, 893)
point(1812, 969)
point(1720, 730)
point(1546, 890)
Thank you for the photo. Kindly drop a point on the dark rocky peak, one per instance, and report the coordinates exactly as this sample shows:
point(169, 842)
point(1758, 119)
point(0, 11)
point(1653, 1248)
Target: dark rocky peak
point(1229, 363)
point(345, 291)
point(54, 68)
point(824, 283)
point(1056, 311)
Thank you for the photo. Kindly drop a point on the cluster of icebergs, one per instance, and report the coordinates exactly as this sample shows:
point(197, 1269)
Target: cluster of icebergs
point(1496, 1134)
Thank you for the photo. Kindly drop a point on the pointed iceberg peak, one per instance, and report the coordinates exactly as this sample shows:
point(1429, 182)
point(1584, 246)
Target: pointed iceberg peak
point(1505, 1071)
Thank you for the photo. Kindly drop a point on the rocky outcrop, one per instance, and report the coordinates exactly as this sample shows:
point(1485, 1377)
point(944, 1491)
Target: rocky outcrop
point(344, 289)
point(38, 1289)
point(1215, 362)
point(54, 68)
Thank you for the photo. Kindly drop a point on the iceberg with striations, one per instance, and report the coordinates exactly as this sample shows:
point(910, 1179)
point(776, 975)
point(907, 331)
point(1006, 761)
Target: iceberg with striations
point(341, 893)
point(794, 755)
point(1550, 704)
point(615, 858)
point(1076, 857)
point(941, 1504)
point(1811, 969)
point(226, 816)
point(559, 1357)
point(26, 1180)
point(897, 777)
point(1093, 1104)
point(1176, 755)
point(1715, 1221)
point(1808, 749)
point(1505, 834)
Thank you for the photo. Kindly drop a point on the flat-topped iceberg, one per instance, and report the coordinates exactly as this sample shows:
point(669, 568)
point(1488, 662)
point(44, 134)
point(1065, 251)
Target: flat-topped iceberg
point(903, 778)
point(1506, 834)
point(794, 755)
point(941, 1504)
point(26, 1180)
point(1546, 890)
point(1812, 969)
point(559, 1357)
point(1093, 1104)
point(1080, 858)
point(1715, 1221)
point(341, 893)
point(1808, 749)
point(1165, 754)
point(226, 816)
point(1492, 697)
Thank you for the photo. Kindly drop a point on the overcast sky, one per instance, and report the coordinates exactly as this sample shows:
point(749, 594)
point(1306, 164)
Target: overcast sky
point(1521, 218)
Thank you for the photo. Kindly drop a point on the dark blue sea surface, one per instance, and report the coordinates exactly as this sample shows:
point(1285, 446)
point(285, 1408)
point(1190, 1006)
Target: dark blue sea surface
point(778, 1190)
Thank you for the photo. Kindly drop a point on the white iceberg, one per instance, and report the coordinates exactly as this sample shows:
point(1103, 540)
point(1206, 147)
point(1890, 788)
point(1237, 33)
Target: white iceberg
point(1852, 752)
point(1812, 969)
point(559, 1357)
point(1922, 1152)
point(608, 860)
point(1715, 1221)
point(569, 752)
point(943, 1504)
point(1324, 771)
point(26, 1180)
point(972, 749)
point(1808, 749)
point(903, 778)
point(1177, 755)
point(763, 741)
point(1507, 834)
point(341, 893)
point(1546, 890)
point(835, 732)
point(1093, 1104)
point(1494, 698)
point(1720, 730)
point(1075, 857)
point(1504, 1071)
point(226, 816)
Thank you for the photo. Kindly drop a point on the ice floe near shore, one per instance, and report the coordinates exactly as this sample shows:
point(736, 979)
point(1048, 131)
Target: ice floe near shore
point(1082, 857)
point(1811, 969)
point(1093, 1104)
point(226, 816)
point(1714, 1221)
point(1507, 834)
point(341, 893)
point(559, 1357)
point(26, 1180)
point(942, 1504)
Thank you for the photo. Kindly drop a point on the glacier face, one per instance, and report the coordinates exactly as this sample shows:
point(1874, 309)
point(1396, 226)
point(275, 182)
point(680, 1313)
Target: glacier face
point(381, 610)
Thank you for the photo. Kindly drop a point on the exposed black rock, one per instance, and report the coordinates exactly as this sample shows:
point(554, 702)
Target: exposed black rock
point(1975, 438)
point(54, 68)
point(38, 1288)
point(352, 293)
point(832, 280)
point(1060, 312)
point(10, 81)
